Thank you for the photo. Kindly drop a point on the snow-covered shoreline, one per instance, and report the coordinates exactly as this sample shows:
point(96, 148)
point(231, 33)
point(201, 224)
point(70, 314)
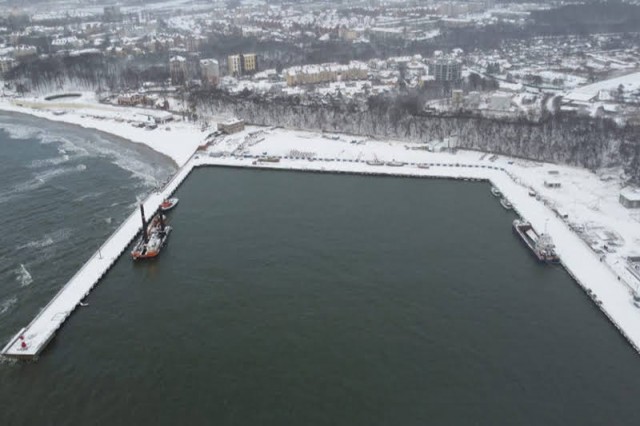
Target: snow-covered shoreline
point(178, 143)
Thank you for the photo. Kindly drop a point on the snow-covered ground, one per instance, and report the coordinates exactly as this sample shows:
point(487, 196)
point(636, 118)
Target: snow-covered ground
point(593, 232)
point(630, 83)
point(175, 139)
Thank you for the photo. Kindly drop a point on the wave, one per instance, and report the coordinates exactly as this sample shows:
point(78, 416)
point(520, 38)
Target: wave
point(44, 242)
point(47, 239)
point(21, 131)
point(55, 161)
point(72, 146)
point(47, 175)
point(20, 188)
point(6, 304)
point(23, 276)
point(88, 196)
point(148, 174)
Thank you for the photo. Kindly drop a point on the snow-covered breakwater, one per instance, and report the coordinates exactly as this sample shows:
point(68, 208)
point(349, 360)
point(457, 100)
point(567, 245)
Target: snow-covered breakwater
point(30, 341)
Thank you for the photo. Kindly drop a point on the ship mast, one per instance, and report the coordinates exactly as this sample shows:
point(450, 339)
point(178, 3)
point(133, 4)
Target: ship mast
point(161, 217)
point(145, 237)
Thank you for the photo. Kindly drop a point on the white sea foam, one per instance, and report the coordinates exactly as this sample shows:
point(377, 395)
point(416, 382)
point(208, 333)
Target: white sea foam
point(6, 304)
point(55, 161)
point(67, 145)
point(21, 131)
point(20, 188)
point(8, 361)
point(23, 276)
point(141, 170)
point(47, 239)
point(49, 174)
point(72, 146)
point(38, 180)
point(42, 243)
point(88, 196)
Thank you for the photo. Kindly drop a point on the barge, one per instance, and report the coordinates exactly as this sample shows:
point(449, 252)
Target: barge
point(154, 237)
point(540, 245)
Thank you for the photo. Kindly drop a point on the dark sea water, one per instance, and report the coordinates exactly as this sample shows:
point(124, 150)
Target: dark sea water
point(63, 190)
point(309, 299)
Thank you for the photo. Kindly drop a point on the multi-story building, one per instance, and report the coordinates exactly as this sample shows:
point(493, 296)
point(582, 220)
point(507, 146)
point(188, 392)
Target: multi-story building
point(194, 43)
point(193, 66)
point(22, 51)
point(210, 71)
point(325, 73)
point(234, 62)
point(112, 14)
point(249, 63)
point(242, 64)
point(6, 64)
point(178, 70)
point(457, 99)
point(231, 126)
point(446, 70)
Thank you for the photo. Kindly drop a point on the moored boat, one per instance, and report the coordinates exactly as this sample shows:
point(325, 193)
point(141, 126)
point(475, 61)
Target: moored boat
point(423, 166)
point(154, 237)
point(496, 192)
point(395, 163)
point(375, 163)
point(506, 204)
point(540, 245)
point(168, 204)
point(269, 159)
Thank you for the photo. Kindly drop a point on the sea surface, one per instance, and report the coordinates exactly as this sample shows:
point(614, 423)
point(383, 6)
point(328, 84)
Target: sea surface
point(63, 190)
point(304, 299)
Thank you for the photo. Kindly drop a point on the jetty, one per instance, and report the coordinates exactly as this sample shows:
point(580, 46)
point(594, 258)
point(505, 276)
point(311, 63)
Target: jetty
point(31, 340)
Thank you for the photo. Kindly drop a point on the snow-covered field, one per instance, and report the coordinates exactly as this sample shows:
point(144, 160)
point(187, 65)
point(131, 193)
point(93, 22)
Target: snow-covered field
point(630, 82)
point(593, 232)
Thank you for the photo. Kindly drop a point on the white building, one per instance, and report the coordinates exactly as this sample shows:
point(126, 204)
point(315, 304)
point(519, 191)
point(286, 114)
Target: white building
point(210, 71)
point(234, 62)
point(24, 50)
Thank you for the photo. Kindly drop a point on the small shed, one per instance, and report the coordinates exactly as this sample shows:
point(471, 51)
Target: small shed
point(630, 198)
point(231, 126)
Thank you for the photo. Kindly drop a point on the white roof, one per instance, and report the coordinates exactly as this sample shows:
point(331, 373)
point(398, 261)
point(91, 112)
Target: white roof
point(631, 194)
